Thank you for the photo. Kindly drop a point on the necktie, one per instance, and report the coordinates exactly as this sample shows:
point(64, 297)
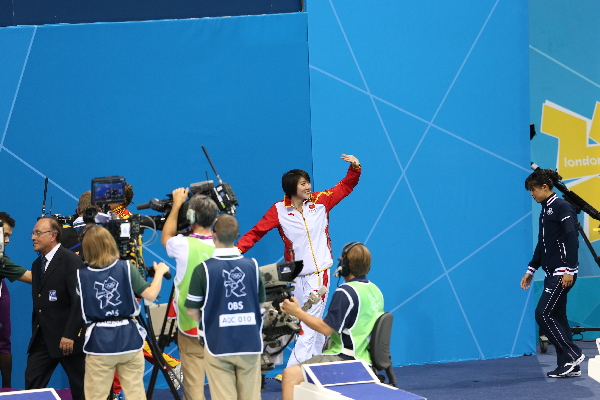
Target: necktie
point(44, 262)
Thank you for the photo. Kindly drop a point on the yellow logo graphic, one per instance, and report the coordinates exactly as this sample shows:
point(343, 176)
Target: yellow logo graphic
point(578, 153)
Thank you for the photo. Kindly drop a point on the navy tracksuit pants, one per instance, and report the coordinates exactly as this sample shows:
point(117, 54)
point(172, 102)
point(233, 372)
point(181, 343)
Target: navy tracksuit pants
point(551, 316)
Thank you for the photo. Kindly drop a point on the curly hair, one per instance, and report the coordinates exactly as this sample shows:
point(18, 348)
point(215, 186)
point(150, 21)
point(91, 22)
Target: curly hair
point(128, 194)
point(542, 177)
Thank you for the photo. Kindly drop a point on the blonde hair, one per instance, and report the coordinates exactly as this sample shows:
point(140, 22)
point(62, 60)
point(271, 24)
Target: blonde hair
point(99, 247)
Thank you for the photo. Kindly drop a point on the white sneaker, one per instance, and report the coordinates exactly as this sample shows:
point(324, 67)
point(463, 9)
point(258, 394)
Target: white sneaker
point(177, 376)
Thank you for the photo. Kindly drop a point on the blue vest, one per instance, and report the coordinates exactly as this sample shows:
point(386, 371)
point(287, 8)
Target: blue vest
point(231, 313)
point(109, 305)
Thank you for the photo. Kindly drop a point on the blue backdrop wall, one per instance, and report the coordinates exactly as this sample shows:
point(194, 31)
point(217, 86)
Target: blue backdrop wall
point(138, 100)
point(431, 97)
point(565, 88)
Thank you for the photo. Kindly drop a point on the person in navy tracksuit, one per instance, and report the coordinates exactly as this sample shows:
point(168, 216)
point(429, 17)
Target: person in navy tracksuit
point(556, 253)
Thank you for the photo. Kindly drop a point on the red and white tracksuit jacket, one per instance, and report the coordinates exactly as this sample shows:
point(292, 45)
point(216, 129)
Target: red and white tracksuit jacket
point(306, 237)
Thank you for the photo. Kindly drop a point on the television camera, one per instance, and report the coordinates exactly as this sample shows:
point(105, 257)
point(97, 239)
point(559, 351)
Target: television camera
point(126, 231)
point(279, 328)
point(222, 194)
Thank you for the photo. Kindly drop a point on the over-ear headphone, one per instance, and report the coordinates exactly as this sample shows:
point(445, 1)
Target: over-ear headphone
point(191, 214)
point(215, 223)
point(343, 268)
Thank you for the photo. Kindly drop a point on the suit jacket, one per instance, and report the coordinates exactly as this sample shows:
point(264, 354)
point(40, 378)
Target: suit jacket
point(56, 305)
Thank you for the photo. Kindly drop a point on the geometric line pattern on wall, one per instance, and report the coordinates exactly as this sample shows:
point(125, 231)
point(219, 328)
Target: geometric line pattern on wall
point(404, 168)
point(17, 89)
point(2, 147)
point(564, 66)
point(523, 313)
point(564, 70)
point(75, 104)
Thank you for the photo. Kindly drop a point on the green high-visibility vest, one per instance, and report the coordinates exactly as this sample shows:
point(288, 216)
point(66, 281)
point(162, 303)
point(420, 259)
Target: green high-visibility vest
point(197, 253)
point(370, 308)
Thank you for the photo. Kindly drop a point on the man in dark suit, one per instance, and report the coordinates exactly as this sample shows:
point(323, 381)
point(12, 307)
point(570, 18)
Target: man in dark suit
point(57, 325)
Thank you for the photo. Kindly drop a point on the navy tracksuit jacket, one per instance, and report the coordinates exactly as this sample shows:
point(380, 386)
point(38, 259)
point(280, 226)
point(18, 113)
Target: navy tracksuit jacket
point(556, 252)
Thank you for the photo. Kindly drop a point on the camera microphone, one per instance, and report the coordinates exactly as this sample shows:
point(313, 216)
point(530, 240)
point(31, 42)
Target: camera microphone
point(534, 166)
point(157, 205)
point(314, 298)
point(143, 206)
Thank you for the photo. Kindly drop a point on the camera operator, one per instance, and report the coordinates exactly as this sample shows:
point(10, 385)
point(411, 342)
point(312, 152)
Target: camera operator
point(302, 219)
point(189, 251)
point(121, 209)
point(13, 272)
point(355, 307)
point(121, 212)
point(85, 204)
point(231, 315)
point(70, 237)
point(108, 288)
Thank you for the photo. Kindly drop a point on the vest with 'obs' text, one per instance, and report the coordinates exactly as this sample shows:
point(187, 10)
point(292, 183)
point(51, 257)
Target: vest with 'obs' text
point(231, 313)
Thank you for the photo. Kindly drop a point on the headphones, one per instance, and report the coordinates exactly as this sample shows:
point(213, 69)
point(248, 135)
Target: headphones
point(212, 227)
point(343, 268)
point(191, 214)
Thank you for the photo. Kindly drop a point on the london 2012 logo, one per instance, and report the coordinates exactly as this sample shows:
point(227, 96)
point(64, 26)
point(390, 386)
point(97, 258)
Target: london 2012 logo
point(107, 293)
point(234, 282)
point(578, 156)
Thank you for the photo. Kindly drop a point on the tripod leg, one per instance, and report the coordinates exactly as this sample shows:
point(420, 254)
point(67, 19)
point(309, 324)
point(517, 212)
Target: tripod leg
point(159, 361)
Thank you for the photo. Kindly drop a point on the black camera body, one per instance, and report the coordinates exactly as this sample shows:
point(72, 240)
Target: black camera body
point(126, 233)
point(222, 195)
point(277, 326)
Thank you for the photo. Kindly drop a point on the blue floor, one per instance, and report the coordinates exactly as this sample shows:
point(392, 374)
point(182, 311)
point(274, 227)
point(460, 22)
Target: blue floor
point(507, 378)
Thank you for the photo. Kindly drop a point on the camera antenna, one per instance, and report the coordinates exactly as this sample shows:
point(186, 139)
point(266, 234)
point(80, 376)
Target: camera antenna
point(211, 164)
point(45, 192)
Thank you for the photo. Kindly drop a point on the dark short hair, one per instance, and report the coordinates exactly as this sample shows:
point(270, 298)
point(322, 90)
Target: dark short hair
point(289, 181)
point(359, 260)
point(4, 217)
point(206, 210)
point(542, 177)
point(55, 226)
point(226, 228)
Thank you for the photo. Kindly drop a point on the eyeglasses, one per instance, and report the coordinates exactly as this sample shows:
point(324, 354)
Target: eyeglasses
point(37, 234)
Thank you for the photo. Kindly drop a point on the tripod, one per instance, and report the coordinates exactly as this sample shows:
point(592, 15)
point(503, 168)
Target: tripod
point(157, 347)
